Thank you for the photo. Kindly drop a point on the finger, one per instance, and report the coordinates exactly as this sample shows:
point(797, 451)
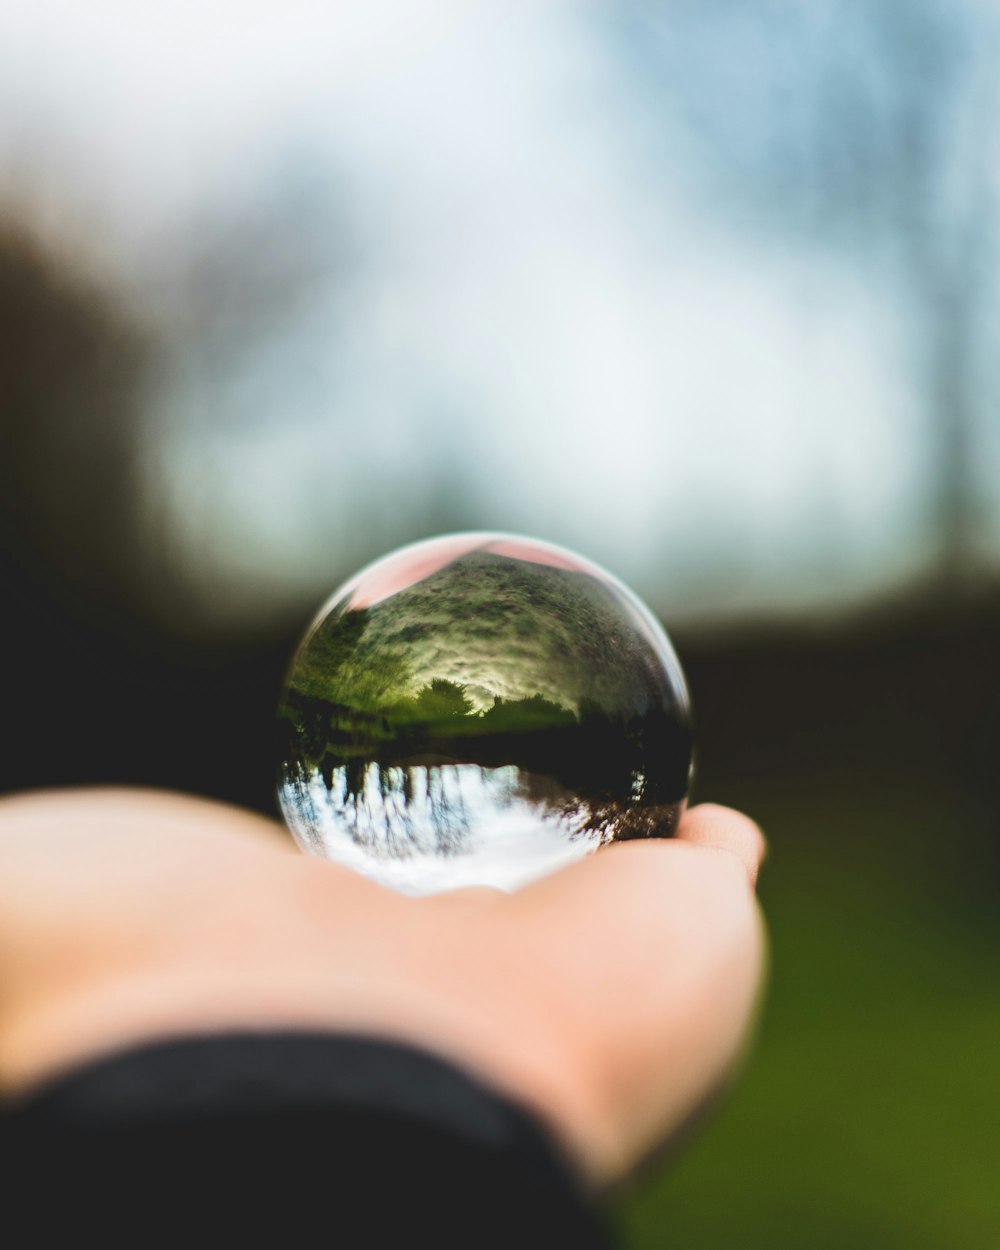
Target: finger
point(724, 829)
point(651, 953)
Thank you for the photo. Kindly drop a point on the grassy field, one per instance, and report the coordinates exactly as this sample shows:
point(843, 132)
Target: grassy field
point(867, 1114)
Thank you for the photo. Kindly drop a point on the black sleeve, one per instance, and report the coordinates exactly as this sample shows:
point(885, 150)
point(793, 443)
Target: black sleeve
point(289, 1139)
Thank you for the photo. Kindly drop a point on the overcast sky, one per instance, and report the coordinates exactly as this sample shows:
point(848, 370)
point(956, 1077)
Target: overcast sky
point(410, 262)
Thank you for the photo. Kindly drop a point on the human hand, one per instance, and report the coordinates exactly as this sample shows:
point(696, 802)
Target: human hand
point(610, 998)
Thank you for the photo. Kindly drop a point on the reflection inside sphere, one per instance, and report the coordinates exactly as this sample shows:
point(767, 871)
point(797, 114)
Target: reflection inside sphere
point(480, 709)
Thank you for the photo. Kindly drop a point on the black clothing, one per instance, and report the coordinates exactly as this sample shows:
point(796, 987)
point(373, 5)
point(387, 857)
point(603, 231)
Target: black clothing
point(285, 1139)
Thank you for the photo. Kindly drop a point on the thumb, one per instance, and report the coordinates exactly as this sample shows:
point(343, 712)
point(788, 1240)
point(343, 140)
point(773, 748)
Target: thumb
point(653, 953)
point(727, 830)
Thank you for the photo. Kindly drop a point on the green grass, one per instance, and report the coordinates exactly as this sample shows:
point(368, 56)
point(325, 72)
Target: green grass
point(868, 1114)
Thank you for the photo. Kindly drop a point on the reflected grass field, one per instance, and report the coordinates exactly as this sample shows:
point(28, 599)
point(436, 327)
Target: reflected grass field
point(867, 1113)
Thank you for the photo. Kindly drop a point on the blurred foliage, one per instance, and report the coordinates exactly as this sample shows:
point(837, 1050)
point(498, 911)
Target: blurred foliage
point(71, 368)
point(856, 133)
point(866, 1114)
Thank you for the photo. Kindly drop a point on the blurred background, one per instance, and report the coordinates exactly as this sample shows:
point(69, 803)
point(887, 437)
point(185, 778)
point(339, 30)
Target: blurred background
point(709, 291)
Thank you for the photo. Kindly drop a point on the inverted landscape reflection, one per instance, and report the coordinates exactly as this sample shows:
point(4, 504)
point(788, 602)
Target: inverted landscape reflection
point(479, 709)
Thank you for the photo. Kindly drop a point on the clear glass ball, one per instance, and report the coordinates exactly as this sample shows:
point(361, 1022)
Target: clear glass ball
point(480, 709)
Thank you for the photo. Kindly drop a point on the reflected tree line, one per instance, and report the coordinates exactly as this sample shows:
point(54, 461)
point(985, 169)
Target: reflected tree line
point(620, 775)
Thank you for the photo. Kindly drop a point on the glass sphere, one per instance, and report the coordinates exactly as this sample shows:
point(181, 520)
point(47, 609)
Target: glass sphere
point(480, 709)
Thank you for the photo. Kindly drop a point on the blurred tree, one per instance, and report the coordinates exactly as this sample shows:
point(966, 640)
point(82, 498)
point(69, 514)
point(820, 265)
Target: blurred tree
point(71, 365)
point(864, 129)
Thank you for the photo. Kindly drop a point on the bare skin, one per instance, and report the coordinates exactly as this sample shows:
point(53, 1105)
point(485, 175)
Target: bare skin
point(610, 998)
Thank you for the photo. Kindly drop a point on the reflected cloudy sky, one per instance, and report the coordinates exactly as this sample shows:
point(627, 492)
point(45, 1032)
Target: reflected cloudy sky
point(420, 267)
